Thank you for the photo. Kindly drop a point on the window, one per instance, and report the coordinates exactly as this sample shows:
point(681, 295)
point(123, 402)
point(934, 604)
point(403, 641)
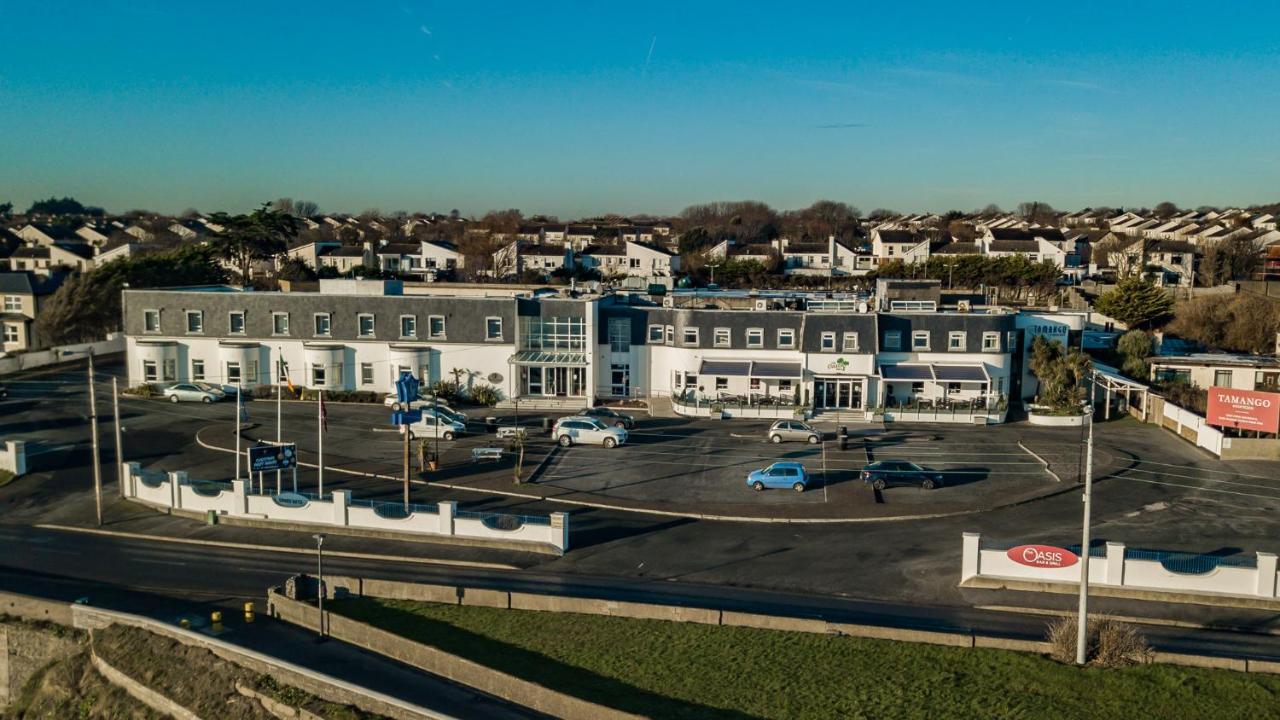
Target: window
point(408, 326)
point(690, 380)
point(149, 371)
point(784, 386)
point(151, 321)
point(920, 340)
point(365, 325)
point(655, 334)
point(722, 337)
point(435, 326)
point(235, 322)
point(917, 388)
point(233, 373)
point(251, 371)
point(955, 341)
point(722, 383)
point(850, 342)
point(619, 335)
point(12, 303)
point(317, 375)
point(1222, 378)
point(953, 388)
point(195, 321)
point(828, 343)
point(991, 342)
point(893, 340)
point(197, 370)
point(786, 338)
point(557, 333)
point(170, 370)
point(493, 329)
point(12, 332)
point(366, 373)
point(755, 337)
point(671, 335)
point(279, 323)
point(690, 337)
point(322, 324)
point(755, 383)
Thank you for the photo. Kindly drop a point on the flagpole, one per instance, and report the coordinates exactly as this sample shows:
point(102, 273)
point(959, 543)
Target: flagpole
point(239, 412)
point(279, 405)
point(320, 438)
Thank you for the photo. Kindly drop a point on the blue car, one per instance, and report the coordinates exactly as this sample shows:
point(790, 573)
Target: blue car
point(779, 475)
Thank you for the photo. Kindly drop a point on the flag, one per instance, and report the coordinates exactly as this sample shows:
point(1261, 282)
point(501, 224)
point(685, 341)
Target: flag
point(324, 413)
point(284, 370)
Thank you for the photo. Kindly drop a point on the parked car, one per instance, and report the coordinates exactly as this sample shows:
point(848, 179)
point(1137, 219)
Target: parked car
point(226, 390)
point(794, 430)
point(4, 392)
point(579, 429)
point(431, 426)
point(443, 411)
point(779, 475)
point(882, 473)
point(191, 392)
point(424, 400)
point(609, 416)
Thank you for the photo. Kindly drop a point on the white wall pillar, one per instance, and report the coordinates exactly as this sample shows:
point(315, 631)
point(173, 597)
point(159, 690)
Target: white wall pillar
point(17, 452)
point(177, 479)
point(132, 471)
point(1266, 574)
point(341, 500)
point(239, 488)
point(560, 522)
point(1115, 563)
point(447, 510)
point(970, 555)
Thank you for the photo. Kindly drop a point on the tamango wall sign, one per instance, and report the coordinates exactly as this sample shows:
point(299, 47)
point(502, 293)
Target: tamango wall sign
point(1042, 556)
point(1244, 409)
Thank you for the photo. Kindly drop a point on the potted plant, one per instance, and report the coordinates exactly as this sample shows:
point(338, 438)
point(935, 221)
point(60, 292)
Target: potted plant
point(717, 411)
point(1061, 372)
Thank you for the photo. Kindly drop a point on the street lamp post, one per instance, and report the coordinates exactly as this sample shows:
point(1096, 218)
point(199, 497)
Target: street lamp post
point(320, 581)
point(93, 430)
point(1082, 624)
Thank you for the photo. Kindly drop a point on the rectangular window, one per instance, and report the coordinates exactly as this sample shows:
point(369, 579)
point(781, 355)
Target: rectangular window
point(435, 326)
point(323, 324)
point(493, 329)
point(953, 388)
point(233, 373)
point(1222, 378)
point(755, 337)
point(671, 335)
point(722, 383)
point(197, 370)
point(690, 380)
point(365, 325)
point(279, 323)
point(151, 321)
point(149, 371)
point(917, 388)
point(408, 326)
point(12, 303)
point(828, 343)
point(235, 322)
point(619, 335)
point(956, 341)
point(317, 375)
point(920, 340)
point(893, 340)
point(251, 371)
point(170, 370)
point(991, 342)
point(784, 386)
point(11, 332)
point(690, 337)
point(366, 373)
point(195, 321)
point(786, 338)
point(850, 342)
point(755, 383)
point(655, 334)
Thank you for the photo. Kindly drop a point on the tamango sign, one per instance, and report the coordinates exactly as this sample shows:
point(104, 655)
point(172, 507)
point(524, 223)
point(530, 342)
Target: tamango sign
point(1042, 556)
point(1244, 409)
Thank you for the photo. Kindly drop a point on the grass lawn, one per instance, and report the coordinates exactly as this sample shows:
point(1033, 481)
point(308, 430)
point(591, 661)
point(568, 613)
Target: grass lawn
point(6, 477)
point(686, 670)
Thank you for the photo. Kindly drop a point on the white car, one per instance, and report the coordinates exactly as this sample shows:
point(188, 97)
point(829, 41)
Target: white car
point(190, 392)
point(441, 427)
point(424, 400)
point(578, 429)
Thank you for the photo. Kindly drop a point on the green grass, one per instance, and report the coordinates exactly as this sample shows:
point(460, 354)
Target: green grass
point(6, 477)
point(686, 670)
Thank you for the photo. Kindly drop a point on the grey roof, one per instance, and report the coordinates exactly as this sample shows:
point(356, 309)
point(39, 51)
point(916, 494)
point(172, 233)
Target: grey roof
point(84, 250)
point(958, 248)
point(960, 373)
point(15, 282)
point(399, 249)
point(547, 250)
point(898, 236)
point(777, 370)
point(725, 368)
point(23, 283)
point(1028, 246)
point(906, 372)
point(605, 250)
point(805, 247)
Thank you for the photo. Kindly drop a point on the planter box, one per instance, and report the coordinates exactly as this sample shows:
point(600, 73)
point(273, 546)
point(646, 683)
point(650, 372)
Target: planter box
point(1056, 420)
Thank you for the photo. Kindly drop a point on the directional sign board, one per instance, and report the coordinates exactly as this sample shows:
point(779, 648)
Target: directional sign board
point(263, 458)
point(407, 388)
point(406, 417)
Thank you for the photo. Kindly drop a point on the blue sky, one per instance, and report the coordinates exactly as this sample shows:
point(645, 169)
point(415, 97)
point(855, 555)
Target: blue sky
point(582, 108)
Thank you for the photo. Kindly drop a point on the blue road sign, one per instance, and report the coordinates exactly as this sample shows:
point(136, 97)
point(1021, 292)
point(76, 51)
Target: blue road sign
point(263, 458)
point(407, 388)
point(406, 417)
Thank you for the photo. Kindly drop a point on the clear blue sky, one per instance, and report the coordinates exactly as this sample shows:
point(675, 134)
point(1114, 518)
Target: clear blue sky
point(577, 108)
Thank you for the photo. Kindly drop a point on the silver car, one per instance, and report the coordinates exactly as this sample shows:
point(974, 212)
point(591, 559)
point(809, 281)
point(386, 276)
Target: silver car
point(190, 392)
point(793, 430)
point(578, 429)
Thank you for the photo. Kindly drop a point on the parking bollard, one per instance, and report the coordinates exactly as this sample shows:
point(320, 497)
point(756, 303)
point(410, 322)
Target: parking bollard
point(216, 618)
point(185, 624)
point(248, 612)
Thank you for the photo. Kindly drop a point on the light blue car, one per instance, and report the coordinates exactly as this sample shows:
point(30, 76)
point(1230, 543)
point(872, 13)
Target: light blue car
point(779, 475)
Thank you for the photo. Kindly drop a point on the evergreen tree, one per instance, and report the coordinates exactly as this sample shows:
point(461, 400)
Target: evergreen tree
point(1135, 302)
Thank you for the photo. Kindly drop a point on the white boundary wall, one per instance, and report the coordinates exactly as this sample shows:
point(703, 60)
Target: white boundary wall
point(39, 358)
point(1117, 571)
point(13, 457)
point(175, 492)
point(1207, 436)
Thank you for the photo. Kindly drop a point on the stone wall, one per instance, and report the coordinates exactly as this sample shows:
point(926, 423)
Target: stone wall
point(25, 650)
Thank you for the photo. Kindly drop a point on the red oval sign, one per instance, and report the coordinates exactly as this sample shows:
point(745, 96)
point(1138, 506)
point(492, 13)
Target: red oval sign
point(1043, 556)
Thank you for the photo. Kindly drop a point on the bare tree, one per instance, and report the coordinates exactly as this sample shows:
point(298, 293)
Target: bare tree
point(1165, 210)
point(305, 208)
point(992, 209)
point(881, 214)
point(1037, 212)
point(283, 205)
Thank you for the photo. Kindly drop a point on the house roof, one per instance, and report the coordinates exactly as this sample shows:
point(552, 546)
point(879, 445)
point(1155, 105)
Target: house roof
point(344, 251)
point(620, 250)
point(810, 248)
point(32, 251)
point(399, 249)
point(544, 250)
point(24, 283)
point(651, 246)
point(1025, 246)
point(754, 249)
point(898, 236)
point(83, 250)
point(1172, 246)
point(57, 232)
point(958, 248)
point(442, 244)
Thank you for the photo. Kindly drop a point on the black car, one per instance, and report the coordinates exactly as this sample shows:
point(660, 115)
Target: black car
point(610, 416)
point(4, 392)
point(882, 473)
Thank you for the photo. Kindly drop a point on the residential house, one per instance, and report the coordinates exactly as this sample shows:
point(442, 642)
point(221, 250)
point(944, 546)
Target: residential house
point(346, 258)
point(94, 234)
point(889, 244)
point(23, 294)
point(1225, 370)
point(512, 259)
point(46, 259)
point(309, 253)
point(438, 255)
point(44, 234)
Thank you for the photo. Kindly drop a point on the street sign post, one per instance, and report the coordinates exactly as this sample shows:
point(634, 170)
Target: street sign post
point(263, 458)
point(404, 415)
point(407, 388)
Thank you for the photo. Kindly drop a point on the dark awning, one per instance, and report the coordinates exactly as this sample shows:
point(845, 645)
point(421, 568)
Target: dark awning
point(725, 368)
point(546, 357)
point(961, 373)
point(776, 370)
point(906, 372)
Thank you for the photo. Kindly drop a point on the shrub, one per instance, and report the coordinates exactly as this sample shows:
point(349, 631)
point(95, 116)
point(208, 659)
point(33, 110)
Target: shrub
point(1062, 640)
point(447, 390)
point(487, 395)
point(143, 390)
point(1111, 643)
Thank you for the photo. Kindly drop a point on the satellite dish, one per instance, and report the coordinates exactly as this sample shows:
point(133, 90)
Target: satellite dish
point(495, 377)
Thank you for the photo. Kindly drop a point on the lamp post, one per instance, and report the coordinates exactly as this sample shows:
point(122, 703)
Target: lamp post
point(320, 581)
point(1082, 624)
point(93, 430)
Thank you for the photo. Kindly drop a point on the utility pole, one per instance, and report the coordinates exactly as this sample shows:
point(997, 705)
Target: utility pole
point(406, 466)
point(93, 428)
point(1083, 622)
point(320, 581)
point(279, 405)
point(115, 411)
